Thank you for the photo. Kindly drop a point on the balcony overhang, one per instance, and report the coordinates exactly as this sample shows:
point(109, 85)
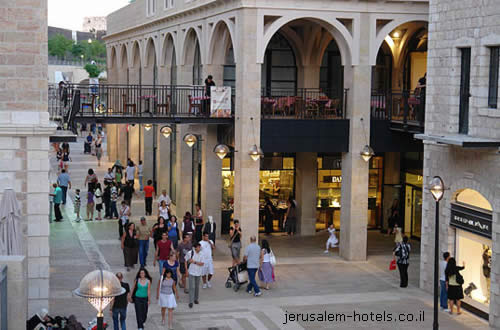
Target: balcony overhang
point(460, 140)
point(125, 119)
point(62, 136)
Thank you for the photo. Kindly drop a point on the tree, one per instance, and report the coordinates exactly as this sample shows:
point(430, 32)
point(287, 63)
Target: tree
point(93, 70)
point(59, 45)
point(78, 49)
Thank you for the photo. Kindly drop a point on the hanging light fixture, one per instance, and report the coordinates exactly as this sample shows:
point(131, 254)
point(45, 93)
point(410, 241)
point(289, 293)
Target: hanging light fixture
point(190, 139)
point(256, 153)
point(166, 131)
point(367, 152)
point(221, 150)
point(148, 126)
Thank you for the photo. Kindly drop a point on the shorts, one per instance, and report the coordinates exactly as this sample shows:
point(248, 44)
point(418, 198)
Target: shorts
point(182, 268)
point(90, 207)
point(208, 268)
point(98, 207)
point(235, 250)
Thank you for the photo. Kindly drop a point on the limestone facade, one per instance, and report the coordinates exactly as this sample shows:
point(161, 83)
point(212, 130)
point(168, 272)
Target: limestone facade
point(24, 133)
point(454, 25)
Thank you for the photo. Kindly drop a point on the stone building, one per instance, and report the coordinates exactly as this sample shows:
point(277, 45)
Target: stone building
point(461, 141)
point(282, 59)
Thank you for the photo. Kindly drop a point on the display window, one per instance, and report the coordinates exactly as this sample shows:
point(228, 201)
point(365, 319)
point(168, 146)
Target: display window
point(413, 204)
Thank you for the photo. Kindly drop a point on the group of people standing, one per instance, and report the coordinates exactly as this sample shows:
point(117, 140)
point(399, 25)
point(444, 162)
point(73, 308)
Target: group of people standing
point(451, 282)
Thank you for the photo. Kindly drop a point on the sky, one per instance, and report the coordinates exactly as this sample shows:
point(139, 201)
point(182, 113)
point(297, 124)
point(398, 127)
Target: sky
point(69, 14)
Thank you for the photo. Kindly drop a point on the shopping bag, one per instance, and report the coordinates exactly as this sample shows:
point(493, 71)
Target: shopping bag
point(392, 265)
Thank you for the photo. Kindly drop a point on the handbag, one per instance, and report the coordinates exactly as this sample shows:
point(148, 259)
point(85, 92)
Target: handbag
point(272, 258)
point(392, 265)
point(459, 278)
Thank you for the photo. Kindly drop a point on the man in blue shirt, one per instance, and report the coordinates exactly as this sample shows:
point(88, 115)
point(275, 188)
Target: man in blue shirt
point(58, 195)
point(64, 182)
point(252, 258)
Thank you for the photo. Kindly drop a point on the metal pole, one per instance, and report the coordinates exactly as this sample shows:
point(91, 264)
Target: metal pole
point(435, 324)
point(100, 322)
point(154, 156)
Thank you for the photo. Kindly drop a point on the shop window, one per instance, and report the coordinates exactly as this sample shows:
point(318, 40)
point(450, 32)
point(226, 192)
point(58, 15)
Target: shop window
point(493, 81)
point(279, 71)
point(331, 80)
point(463, 120)
point(229, 74)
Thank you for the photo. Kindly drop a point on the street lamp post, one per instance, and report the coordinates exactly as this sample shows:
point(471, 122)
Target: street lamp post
point(436, 187)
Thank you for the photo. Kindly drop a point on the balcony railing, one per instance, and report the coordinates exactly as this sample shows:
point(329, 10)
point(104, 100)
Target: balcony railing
point(132, 102)
point(404, 109)
point(303, 103)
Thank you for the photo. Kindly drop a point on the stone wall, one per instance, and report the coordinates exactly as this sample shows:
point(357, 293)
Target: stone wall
point(25, 130)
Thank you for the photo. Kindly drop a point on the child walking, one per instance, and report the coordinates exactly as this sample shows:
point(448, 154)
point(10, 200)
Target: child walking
point(114, 198)
point(332, 240)
point(165, 294)
point(90, 206)
point(98, 201)
point(76, 205)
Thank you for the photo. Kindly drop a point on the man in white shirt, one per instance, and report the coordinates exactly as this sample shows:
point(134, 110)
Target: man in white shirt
point(140, 174)
point(164, 197)
point(109, 177)
point(194, 264)
point(130, 173)
point(208, 269)
point(443, 296)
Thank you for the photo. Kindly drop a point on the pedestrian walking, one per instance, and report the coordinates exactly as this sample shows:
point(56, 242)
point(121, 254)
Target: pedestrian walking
point(114, 200)
point(91, 179)
point(207, 247)
point(143, 234)
point(266, 270)
point(163, 248)
point(77, 202)
point(124, 215)
point(443, 296)
point(163, 210)
point(198, 223)
point(141, 296)
point(140, 174)
point(119, 304)
point(118, 176)
point(332, 239)
point(173, 265)
point(210, 228)
point(88, 143)
point(90, 206)
point(402, 252)
point(398, 236)
point(57, 202)
point(166, 294)
point(269, 211)
point(109, 177)
point(98, 149)
point(98, 200)
point(235, 242)
point(194, 264)
point(128, 193)
point(393, 216)
point(184, 247)
point(106, 199)
point(130, 173)
point(205, 104)
point(164, 197)
point(64, 182)
point(290, 220)
point(65, 159)
point(252, 258)
point(130, 246)
point(187, 225)
point(158, 229)
point(149, 192)
point(454, 282)
point(173, 231)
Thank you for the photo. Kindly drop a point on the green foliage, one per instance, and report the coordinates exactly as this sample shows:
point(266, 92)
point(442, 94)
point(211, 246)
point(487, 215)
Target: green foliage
point(59, 45)
point(95, 50)
point(78, 49)
point(93, 70)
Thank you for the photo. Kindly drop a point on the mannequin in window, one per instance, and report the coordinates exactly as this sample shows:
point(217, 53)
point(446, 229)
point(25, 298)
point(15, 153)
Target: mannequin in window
point(487, 270)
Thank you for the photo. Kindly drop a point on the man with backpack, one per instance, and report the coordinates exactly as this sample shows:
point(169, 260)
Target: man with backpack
point(402, 252)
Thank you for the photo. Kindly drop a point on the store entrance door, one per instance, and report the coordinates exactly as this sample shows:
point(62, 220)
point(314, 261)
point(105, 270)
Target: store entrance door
point(413, 211)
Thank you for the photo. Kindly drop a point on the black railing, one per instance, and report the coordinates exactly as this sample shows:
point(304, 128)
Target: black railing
point(121, 101)
point(303, 103)
point(406, 108)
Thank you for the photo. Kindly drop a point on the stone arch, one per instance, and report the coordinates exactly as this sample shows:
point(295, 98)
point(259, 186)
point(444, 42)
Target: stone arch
point(459, 185)
point(150, 51)
point(123, 58)
point(221, 38)
point(338, 31)
point(136, 54)
point(168, 49)
point(191, 37)
point(388, 28)
point(112, 60)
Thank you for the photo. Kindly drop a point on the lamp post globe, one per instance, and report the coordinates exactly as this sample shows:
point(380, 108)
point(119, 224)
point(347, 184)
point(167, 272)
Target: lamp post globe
point(190, 139)
point(436, 186)
point(367, 153)
point(148, 126)
point(256, 153)
point(166, 131)
point(221, 150)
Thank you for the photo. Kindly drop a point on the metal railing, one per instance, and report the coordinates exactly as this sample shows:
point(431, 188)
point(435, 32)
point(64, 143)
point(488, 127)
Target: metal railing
point(54, 60)
point(303, 103)
point(3, 297)
point(401, 107)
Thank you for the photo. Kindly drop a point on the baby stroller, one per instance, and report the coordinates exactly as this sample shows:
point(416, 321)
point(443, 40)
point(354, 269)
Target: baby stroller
point(238, 275)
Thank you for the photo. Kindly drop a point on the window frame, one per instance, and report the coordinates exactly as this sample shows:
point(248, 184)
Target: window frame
point(494, 69)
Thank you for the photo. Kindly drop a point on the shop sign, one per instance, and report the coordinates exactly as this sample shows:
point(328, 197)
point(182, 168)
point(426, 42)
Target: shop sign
point(332, 179)
point(220, 102)
point(471, 220)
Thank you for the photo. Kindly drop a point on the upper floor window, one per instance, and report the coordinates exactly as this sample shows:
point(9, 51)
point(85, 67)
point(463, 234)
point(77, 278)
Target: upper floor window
point(169, 4)
point(150, 7)
point(493, 84)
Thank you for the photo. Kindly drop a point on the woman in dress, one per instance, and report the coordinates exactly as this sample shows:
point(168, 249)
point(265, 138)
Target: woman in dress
point(167, 293)
point(163, 210)
point(98, 200)
point(173, 265)
point(158, 229)
point(187, 225)
point(266, 269)
point(118, 176)
point(91, 179)
point(172, 231)
point(98, 149)
point(140, 296)
point(290, 220)
point(198, 224)
point(454, 288)
point(130, 246)
point(269, 215)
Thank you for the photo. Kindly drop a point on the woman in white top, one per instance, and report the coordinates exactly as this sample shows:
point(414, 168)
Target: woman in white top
point(163, 211)
point(266, 271)
point(165, 294)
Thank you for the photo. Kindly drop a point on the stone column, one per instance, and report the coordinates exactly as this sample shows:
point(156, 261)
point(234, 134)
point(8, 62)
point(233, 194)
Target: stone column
point(354, 202)
point(112, 141)
point(133, 143)
point(308, 76)
point(392, 176)
point(184, 172)
point(247, 125)
point(163, 160)
point(122, 147)
point(211, 177)
point(17, 311)
point(306, 180)
point(147, 142)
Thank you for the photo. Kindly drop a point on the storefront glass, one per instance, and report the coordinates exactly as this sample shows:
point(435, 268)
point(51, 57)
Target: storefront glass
point(413, 204)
